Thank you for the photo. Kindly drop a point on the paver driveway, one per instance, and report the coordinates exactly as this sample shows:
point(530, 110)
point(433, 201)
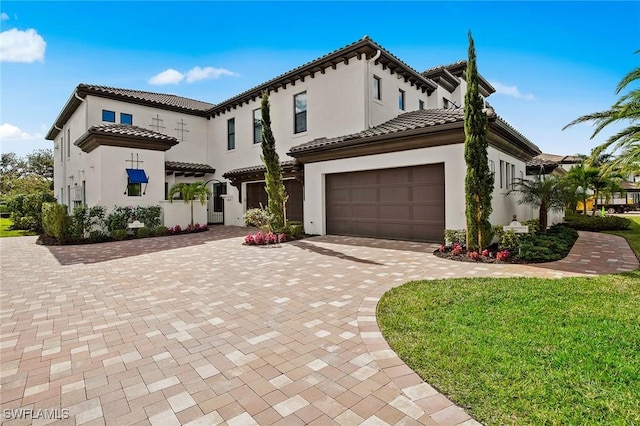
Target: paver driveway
point(199, 328)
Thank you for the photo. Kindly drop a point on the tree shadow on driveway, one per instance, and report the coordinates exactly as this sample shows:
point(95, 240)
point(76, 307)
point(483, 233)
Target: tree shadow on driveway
point(103, 252)
point(328, 252)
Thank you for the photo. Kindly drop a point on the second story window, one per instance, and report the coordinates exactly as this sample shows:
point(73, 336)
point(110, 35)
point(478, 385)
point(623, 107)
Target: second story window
point(231, 134)
point(257, 126)
point(401, 103)
point(108, 116)
point(300, 112)
point(126, 118)
point(68, 143)
point(420, 104)
point(377, 88)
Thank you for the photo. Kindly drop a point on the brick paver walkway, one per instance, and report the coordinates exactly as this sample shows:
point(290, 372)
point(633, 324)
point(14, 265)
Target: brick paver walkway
point(201, 330)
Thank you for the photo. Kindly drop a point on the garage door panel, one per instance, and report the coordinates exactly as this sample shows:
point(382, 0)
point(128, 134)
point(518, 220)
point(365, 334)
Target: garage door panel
point(396, 231)
point(395, 193)
point(364, 178)
point(364, 228)
point(429, 212)
point(364, 195)
point(432, 173)
point(403, 203)
point(341, 195)
point(395, 213)
point(427, 192)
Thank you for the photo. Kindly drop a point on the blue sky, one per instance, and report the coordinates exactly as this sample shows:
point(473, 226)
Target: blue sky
point(550, 61)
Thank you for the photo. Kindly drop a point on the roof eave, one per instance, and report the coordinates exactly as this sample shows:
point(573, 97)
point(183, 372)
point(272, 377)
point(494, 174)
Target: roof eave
point(363, 47)
point(69, 108)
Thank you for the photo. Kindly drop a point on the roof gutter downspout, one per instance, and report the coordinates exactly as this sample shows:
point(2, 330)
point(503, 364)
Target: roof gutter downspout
point(367, 82)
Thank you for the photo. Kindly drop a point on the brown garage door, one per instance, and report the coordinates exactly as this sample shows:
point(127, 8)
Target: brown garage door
point(403, 203)
point(257, 196)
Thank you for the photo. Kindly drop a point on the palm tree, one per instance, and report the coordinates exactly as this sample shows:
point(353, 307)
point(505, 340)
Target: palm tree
point(189, 193)
point(627, 109)
point(580, 179)
point(548, 193)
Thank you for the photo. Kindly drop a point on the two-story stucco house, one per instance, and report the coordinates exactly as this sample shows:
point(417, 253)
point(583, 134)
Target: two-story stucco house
point(369, 146)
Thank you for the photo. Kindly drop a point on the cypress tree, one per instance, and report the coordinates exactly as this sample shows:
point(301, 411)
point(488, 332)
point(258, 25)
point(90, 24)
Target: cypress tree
point(479, 179)
point(273, 176)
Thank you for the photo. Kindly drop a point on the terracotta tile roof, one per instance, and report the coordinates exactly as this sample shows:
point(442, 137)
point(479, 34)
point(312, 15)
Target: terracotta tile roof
point(125, 136)
point(288, 164)
point(407, 121)
point(560, 159)
point(181, 166)
point(156, 99)
point(129, 130)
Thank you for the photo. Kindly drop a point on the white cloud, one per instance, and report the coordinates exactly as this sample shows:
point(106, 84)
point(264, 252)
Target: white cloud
point(11, 132)
point(4, 16)
point(503, 89)
point(197, 73)
point(172, 76)
point(169, 76)
point(21, 46)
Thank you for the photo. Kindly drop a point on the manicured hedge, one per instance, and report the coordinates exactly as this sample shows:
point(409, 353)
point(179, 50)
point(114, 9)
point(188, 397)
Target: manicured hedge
point(597, 223)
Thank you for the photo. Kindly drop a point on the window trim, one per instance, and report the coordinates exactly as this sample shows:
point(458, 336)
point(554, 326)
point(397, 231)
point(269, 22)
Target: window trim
point(402, 101)
point(300, 114)
point(257, 124)
point(106, 117)
point(378, 80)
point(231, 134)
point(124, 114)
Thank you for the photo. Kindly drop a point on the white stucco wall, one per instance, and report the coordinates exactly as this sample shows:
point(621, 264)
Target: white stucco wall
point(505, 205)
point(194, 147)
point(179, 213)
point(110, 187)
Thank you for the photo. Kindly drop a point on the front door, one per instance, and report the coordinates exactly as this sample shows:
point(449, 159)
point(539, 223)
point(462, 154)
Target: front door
point(216, 203)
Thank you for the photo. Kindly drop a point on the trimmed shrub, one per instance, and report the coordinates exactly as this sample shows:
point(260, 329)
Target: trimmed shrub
point(294, 229)
point(119, 234)
point(257, 218)
point(98, 236)
point(509, 240)
point(160, 231)
point(143, 232)
point(534, 226)
point(28, 205)
point(453, 236)
point(56, 222)
point(597, 223)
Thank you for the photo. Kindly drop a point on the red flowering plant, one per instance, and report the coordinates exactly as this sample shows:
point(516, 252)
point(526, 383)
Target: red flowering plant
point(282, 238)
point(503, 255)
point(473, 255)
point(249, 240)
point(485, 252)
point(442, 248)
point(457, 249)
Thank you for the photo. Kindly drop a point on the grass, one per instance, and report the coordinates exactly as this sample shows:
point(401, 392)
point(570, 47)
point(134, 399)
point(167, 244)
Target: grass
point(5, 224)
point(522, 350)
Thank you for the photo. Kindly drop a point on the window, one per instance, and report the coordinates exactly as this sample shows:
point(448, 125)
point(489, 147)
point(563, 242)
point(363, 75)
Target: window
point(134, 189)
point(231, 134)
point(420, 104)
point(126, 118)
point(401, 99)
point(62, 148)
point(68, 143)
point(300, 112)
point(257, 126)
point(508, 175)
point(501, 173)
point(513, 175)
point(377, 88)
point(108, 116)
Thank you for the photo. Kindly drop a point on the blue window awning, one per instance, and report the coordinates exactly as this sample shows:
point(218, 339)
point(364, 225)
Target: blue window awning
point(137, 176)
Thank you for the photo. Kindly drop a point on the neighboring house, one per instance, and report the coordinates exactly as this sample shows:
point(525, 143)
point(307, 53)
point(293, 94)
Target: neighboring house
point(369, 146)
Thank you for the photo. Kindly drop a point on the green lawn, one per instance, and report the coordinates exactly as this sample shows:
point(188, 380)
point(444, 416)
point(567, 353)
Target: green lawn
point(525, 351)
point(5, 224)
